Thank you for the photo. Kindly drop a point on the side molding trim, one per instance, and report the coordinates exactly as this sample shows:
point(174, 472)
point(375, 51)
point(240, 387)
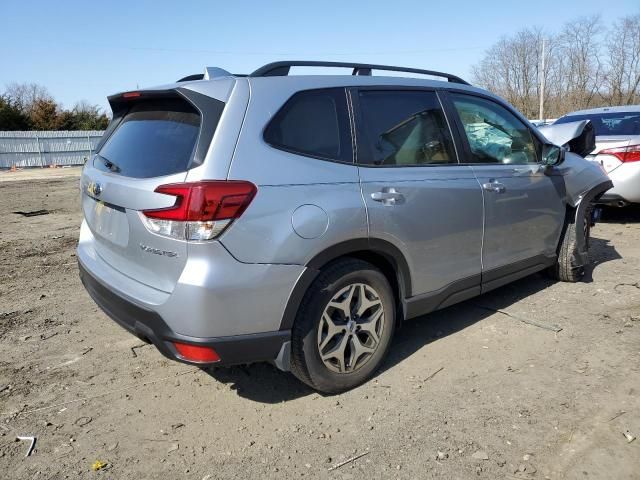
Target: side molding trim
point(455, 292)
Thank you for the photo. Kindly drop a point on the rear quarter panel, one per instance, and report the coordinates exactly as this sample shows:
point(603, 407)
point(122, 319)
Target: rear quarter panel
point(220, 152)
point(293, 190)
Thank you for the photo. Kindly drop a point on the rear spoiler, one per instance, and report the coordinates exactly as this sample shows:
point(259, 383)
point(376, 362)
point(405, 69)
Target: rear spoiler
point(579, 137)
point(120, 104)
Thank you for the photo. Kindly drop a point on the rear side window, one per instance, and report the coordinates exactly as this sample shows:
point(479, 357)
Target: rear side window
point(154, 138)
point(403, 128)
point(313, 123)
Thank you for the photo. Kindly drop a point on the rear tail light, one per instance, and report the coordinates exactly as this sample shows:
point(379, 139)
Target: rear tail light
point(630, 153)
point(202, 210)
point(196, 353)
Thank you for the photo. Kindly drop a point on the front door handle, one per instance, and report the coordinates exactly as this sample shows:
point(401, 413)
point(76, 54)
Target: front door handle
point(388, 196)
point(495, 187)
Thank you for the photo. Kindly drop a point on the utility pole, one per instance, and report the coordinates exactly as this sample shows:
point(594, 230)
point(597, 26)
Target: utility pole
point(541, 112)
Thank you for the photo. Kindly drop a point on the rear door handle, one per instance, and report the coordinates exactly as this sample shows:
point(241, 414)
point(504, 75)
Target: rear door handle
point(388, 196)
point(495, 187)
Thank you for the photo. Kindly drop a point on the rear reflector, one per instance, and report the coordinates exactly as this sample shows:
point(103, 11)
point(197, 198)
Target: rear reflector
point(202, 210)
point(196, 353)
point(630, 153)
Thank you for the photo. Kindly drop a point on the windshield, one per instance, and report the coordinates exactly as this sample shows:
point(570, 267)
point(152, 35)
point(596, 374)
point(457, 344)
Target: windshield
point(620, 123)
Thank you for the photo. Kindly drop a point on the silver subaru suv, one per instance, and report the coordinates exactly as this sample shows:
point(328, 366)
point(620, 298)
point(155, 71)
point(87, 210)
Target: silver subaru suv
point(301, 219)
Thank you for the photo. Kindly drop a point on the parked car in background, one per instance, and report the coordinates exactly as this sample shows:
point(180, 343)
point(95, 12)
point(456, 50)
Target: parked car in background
point(617, 149)
point(301, 219)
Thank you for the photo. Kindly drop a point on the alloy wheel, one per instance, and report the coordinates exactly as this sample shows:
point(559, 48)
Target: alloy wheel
point(350, 329)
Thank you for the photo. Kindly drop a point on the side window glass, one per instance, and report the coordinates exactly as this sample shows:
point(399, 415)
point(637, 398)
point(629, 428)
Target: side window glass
point(495, 135)
point(403, 128)
point(313, 123)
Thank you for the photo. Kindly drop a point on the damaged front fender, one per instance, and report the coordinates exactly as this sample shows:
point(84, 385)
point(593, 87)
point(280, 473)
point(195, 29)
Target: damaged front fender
point(581, 255)
point(584, 182)
point(581, 177)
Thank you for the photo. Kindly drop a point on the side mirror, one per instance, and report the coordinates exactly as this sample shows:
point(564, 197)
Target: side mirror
point(552, 155)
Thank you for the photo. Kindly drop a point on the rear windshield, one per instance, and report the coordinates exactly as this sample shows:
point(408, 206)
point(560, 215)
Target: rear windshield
point(621, 123)
point(154, 138)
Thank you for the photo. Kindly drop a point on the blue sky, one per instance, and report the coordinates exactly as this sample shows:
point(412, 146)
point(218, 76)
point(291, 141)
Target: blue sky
point(88, 50)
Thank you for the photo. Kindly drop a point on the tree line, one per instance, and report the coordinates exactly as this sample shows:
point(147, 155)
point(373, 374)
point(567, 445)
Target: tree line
point(586, 64)
point(29, 106)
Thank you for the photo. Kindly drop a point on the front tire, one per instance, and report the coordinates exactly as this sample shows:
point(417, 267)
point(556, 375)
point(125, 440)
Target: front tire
point(343, 327)
point(566, 269)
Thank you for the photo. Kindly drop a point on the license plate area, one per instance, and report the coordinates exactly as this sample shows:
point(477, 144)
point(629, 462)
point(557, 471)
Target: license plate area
point(108, 222)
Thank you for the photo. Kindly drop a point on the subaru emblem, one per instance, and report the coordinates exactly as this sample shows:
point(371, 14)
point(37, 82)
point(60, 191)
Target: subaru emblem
point(94, 189)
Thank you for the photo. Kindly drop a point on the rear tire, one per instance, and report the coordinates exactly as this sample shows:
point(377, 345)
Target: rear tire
point(566, 269)
point(343, 327)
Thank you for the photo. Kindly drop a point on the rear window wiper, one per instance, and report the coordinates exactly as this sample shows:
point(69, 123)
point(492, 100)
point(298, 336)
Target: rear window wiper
point(109, 164)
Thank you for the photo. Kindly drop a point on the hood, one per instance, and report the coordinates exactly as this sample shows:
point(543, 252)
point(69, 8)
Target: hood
point(579, 137)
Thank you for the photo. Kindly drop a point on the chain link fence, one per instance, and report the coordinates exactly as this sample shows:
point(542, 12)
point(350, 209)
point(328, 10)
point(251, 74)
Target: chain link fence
point(45, 148)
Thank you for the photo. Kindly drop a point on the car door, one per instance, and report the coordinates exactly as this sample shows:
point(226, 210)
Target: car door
point(524, 205)
point(417, 195)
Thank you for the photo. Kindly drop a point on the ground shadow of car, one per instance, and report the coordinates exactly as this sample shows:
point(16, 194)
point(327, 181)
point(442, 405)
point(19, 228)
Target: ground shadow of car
point(600, 251)
point(264, 383)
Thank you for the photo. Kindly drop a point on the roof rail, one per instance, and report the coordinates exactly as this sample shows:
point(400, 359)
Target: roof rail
point(276, 69)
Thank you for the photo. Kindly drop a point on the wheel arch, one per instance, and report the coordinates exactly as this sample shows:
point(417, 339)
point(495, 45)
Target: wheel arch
point(580, 216)
point(380, 253)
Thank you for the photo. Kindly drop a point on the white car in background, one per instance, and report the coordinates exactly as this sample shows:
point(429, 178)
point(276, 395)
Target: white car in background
point(617, 149)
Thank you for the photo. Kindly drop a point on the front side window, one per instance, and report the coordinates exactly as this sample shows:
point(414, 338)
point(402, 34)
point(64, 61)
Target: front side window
point(313, 123)
point(495, 135)
point(403, 128)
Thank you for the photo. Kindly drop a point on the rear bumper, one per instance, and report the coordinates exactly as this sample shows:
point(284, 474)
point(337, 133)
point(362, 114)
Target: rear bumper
point(612, 200)
point(149, 326)
point(215, 296)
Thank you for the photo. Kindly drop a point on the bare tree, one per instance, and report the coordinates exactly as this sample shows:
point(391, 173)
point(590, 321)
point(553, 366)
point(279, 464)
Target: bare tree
point(27, 95)
point(511, 69)
point(580, 69)
point(579, 62)
point(623, 52)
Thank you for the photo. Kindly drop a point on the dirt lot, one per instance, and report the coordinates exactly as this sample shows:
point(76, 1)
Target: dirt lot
point(467, 392)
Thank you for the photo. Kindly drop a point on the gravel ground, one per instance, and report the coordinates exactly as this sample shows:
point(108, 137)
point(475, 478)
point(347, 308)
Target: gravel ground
point(467, 392)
